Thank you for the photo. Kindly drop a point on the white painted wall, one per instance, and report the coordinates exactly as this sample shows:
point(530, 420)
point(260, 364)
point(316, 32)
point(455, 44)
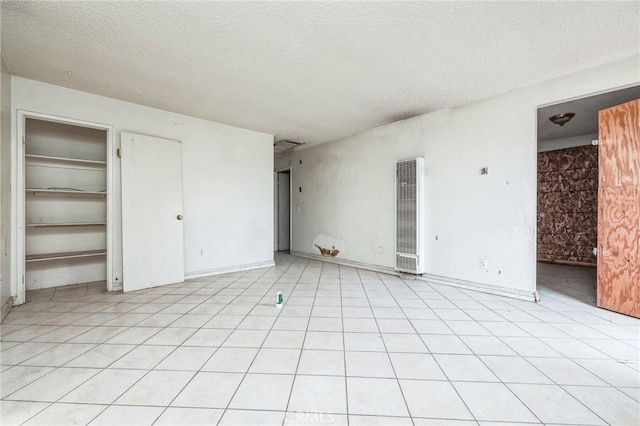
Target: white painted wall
point(227, 175)
point(554, 144)
point(5, 185)
point(348, 185)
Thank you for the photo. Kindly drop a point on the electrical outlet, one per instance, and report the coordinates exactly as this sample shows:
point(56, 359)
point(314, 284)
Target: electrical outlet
point(484, 264)
point(201, 252)
point(380, 250)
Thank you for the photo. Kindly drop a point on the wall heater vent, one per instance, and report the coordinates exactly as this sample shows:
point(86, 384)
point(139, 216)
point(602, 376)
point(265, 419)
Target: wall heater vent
point(409, 216)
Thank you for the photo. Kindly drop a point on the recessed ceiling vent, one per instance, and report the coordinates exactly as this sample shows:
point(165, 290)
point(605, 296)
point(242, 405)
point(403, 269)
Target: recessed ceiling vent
point(285, 145)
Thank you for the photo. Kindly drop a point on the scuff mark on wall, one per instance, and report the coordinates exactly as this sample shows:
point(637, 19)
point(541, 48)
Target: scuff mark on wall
point(324, 241)
point(333, 252)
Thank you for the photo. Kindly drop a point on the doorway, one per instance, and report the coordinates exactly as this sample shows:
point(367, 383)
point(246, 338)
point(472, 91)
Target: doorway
point(63, 182)
point(569, 173)
point(283, 211)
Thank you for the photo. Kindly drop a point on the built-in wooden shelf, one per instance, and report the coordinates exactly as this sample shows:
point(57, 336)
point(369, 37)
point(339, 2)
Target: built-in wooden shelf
point(63, 184)
point(65, 255)
point(64, 159)
point(47, 225)
point(65, 191)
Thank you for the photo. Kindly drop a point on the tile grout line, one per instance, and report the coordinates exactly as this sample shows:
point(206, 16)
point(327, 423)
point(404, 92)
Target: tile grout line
point(479, 357)
point(258, 349)
point(105, 368)
point(236, 327)
point(304, 340)
point(113, 403)
point(493, 305)
point(344, 344)
point(526, 359)
point(221, 343)
point(434, 358)
point(489, 368)
point(520, 356)
point(375, 318)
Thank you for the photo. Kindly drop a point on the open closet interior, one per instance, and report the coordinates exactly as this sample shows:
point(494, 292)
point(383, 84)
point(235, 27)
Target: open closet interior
point(65, 183)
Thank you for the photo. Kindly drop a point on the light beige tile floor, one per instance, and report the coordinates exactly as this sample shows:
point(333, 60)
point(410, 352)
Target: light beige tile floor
point(348, 347)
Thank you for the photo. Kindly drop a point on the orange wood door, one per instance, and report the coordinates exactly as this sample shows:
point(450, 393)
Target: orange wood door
point(619, 209)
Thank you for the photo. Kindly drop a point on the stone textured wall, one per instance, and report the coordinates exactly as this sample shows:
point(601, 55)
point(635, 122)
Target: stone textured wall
point(568, 204)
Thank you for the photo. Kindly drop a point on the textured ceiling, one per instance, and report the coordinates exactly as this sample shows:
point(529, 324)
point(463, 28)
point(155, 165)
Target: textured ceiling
point(310, 71)
point(586, 110)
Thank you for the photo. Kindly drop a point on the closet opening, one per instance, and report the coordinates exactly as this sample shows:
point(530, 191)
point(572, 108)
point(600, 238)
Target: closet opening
point(64, 187)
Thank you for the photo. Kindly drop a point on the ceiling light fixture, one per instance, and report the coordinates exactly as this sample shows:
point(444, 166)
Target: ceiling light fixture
point(561, 119)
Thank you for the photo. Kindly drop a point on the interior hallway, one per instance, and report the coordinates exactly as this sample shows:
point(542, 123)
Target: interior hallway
point(348, 346)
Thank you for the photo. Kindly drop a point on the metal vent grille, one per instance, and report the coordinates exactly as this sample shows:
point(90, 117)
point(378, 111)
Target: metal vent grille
point(285, 145)
point(406, 207)
point(406, 263)
point(409, 206)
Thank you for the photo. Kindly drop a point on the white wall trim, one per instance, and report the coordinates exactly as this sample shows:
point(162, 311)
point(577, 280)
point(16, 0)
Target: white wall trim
point(433, 279)
point(229, 269)
point(367, 266)
point(110, 228)
point(6, 308)
point(531, 296)
point(590, 93)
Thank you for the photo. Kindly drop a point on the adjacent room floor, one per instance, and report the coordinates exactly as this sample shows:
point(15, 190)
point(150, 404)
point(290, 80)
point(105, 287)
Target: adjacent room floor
point(349, 346)
point(567, 282)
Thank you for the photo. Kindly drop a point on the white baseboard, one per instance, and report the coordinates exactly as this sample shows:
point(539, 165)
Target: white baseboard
point(435, 279)
point(6, 308)
point(367, 266)
point(530, 296)
point(228, 269)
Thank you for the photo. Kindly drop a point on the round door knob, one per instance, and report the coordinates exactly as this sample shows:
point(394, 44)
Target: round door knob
point(179, 217)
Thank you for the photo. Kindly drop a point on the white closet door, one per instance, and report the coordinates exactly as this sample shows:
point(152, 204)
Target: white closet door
point(152, 234)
